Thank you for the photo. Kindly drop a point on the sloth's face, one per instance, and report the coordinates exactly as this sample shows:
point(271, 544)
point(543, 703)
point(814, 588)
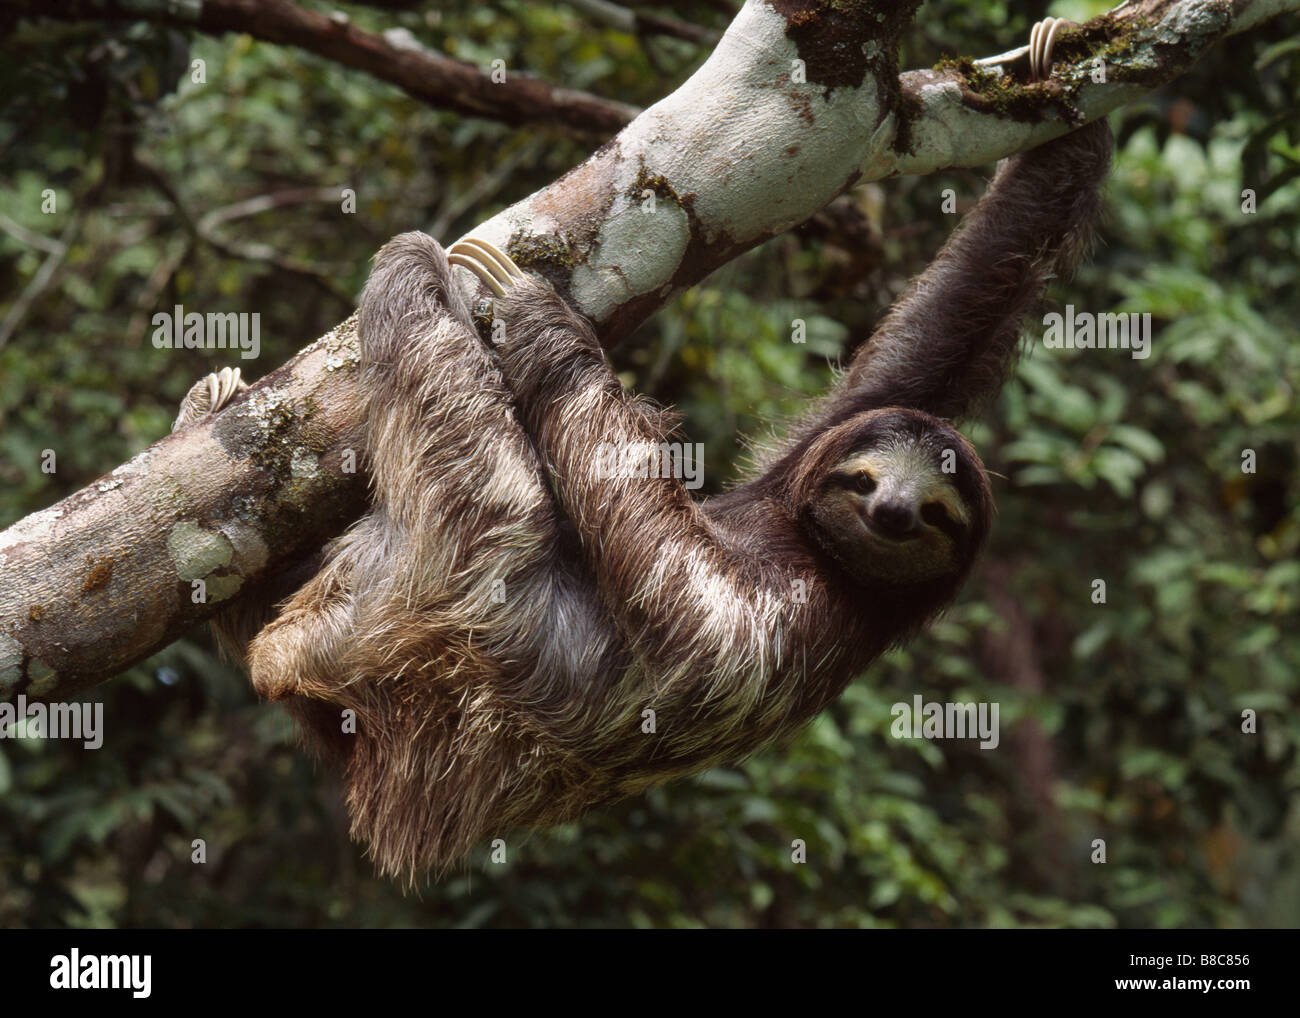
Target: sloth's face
point(902, 504)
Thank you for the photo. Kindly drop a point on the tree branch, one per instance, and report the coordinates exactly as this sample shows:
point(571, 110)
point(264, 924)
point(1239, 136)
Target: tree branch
point(396, 57)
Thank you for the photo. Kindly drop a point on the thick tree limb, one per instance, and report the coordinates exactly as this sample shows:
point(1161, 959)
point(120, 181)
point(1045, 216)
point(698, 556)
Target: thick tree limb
point(741, 152)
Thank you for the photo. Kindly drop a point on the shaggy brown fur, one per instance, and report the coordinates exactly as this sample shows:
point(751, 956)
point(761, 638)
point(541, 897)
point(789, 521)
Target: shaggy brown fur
point(507, 613)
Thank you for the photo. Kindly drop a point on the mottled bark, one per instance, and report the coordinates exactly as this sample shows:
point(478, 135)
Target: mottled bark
point(107, 576)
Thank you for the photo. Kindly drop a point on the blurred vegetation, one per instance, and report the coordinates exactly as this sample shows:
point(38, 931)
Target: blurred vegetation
point(1119, 720)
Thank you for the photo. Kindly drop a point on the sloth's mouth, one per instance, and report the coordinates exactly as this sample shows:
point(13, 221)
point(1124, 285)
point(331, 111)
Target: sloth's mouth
point(884, 537)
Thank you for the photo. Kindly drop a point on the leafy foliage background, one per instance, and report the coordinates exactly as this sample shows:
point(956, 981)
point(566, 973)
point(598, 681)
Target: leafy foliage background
point(1120, 721)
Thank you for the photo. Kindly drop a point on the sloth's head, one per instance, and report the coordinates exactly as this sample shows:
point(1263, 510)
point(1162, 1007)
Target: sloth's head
point(896, 496)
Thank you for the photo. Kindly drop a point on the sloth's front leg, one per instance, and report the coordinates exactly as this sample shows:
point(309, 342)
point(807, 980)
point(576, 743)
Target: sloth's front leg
point(951, 337)
point(547, 348)
point(646, 543)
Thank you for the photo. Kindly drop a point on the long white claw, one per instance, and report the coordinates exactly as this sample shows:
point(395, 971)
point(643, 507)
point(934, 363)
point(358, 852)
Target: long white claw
point(502, 260)
point(471, 263)
point(494, 268)
point(1042, 38)
point(226, 384)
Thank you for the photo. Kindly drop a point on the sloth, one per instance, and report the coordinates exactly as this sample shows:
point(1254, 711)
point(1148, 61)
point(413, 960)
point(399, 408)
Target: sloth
point(515, 633)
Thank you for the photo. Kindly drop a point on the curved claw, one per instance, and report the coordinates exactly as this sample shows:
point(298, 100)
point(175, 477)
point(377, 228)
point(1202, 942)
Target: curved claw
point(223, 385)
point(208, 395)
point(1042, 37)
point(495, 268)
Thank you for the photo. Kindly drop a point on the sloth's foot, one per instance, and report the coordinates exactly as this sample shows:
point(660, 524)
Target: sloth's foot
point(495, 268)
point(301, 650)
point(1042, 37)
point(208, 395)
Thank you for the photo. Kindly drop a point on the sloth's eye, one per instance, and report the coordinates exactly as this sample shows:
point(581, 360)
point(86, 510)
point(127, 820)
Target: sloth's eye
point(935, 514)
point(864, 483)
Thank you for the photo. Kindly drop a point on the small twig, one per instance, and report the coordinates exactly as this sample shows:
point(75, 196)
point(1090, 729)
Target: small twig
point(153, 288)
point(640, 23)
point(41, 281)
point(26, 236)
point(205, 230)
point(481, 190)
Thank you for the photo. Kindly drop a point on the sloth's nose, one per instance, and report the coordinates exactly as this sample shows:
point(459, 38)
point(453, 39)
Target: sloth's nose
point(895, 518)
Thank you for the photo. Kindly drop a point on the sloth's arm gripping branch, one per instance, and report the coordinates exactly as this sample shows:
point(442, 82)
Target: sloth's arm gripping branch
point(948, 341)
point(676, 586)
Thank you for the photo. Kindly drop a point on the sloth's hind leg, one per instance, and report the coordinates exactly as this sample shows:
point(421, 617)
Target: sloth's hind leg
point(298, 650)
point(303, 650)
point(235, 625)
